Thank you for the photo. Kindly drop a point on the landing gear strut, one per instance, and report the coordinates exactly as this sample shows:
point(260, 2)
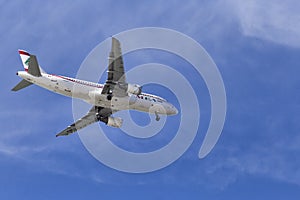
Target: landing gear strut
point(157, 116)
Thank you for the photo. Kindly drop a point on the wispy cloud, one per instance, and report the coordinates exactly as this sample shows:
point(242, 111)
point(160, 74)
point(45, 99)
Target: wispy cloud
point(276, 21)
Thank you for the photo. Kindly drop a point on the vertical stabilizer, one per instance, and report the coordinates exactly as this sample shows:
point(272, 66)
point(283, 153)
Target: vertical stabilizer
point(25, 58)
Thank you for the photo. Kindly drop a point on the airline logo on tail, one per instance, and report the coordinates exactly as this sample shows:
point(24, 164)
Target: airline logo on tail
point(25, 58)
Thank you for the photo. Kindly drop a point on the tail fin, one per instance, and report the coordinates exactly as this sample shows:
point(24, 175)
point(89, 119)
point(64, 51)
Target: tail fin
point(31, 66)
point(25, 58)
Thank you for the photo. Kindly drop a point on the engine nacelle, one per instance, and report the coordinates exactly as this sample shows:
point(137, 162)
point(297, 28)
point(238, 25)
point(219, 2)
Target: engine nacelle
point(134, 89)
point(115, 122)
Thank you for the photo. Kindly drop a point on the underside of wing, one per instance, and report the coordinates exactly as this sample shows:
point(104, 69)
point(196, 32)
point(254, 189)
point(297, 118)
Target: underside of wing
point(115, 63)
point(116, 73)
point(94, 115)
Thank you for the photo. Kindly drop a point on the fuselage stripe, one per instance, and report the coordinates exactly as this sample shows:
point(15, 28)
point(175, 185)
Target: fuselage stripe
point(79, 81)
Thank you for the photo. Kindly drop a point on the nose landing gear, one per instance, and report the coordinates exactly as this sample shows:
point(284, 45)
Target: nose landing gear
point(157, 116)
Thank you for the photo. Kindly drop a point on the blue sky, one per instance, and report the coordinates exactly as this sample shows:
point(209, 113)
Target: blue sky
point(256, 47)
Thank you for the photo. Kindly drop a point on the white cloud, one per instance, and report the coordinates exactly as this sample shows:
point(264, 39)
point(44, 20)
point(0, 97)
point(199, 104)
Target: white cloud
point(276, 21)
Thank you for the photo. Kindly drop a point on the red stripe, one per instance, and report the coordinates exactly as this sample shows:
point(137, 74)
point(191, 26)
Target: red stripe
point(24, 53)
point(77, 81)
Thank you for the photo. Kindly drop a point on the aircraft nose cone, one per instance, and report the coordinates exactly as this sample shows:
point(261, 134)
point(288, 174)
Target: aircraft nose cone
point(173, 110)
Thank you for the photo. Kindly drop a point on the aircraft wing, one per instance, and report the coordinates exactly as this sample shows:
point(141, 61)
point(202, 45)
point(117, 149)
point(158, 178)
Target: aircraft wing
point(116, 73)
point(94, 115)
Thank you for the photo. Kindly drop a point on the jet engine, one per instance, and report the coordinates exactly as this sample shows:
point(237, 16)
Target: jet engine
point(115, 122)
point(134, 89)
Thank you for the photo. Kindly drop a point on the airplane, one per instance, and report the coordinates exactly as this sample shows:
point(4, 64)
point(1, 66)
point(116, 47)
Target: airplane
point(108, 98)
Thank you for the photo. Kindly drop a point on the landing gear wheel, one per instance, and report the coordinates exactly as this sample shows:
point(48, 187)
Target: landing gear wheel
point(109, 97)
point(157, 116)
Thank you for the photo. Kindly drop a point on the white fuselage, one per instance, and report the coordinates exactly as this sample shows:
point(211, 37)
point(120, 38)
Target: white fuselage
point(91, 92)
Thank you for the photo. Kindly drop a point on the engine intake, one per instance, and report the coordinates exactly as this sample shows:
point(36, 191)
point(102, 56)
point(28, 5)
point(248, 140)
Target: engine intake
point(115, 122)
point(134, 89)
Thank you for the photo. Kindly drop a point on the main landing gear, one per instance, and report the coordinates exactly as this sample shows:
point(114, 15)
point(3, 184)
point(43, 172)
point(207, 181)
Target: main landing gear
point(109, 97)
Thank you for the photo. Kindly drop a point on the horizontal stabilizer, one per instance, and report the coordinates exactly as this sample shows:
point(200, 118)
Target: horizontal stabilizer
point(21, 85)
